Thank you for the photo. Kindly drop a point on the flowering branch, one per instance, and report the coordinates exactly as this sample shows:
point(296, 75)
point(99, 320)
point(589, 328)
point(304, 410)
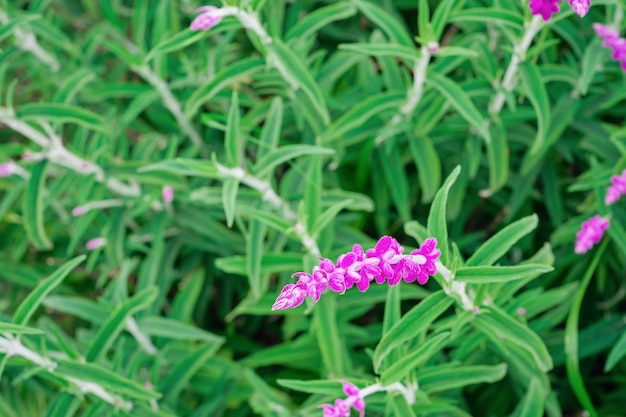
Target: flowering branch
point(356, 398)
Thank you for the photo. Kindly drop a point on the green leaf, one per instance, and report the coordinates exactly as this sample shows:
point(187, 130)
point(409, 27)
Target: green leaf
point(362, 112)
point(594, 55)
point(423, 19)
point(500, 243)
point(330, 344)
point(410, 55)
point(617, 352)
point(270, 133)
point(113, 325)
point(571, 336)
point(187, 167)
point(175, 42)
point(122, 53)
point(62, 113)
point(17, 329)
point(412, 324)
point(491, 15)
point(105, 378)
point(27, 308)
point(255, 240)
point(389, 24)
point(460, 101)
point(310, 24)
point(437, 222)
point(397, 180)
point(499, 326)
point(498, 155)
point(328, 216)
point(442, 378)
point(33, 207)
point(265, 165)
point(229, 199)
point(441, 17)
point(414, 359)
point(176, 330)
point(234, 142)
point(532, 405)
point(489, 274)
point(535, 88)
point(312, 386)
point(428, 165)
point(297, 74)
point(401, 407)
point(228, 75)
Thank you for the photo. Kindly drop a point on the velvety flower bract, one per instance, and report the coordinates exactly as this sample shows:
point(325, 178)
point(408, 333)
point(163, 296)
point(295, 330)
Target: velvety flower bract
point(590, 234)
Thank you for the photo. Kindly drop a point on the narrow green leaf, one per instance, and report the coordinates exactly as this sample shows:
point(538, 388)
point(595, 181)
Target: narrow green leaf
point(272, 220)
point(187, 167)
point(113, 325)
point(571, 336)
point(397, 179)
point(594, 55)
point(328, 339)
point(532, 405)
point(122, 53)
point(617, 352)
point(412, 323)
point(234, 139)
point(489, 15)
point(175, 42)
point(107, 379)
point(27, 308)
point(489, 274)
point(389, 24)
point(428, 165)
point(328, 216)
point(437, 221)
point(62, 113)
point(498, 155)
point(228, 75)
point(270, 133)
point(460, 101)
point(442, 378)
point(312, 386)
point(63, 404)
point(401, 407)
point(410, 55)
point(499, 326)
point(229, 199)
point(535, 88)
point(500, 243)
point(33, 207)
point(255, 240)
point(310, 24)
point(174, 329)
point(17, 329)
point(441, 17)
point(414, 359)
point(266, 164)
point(423, 19)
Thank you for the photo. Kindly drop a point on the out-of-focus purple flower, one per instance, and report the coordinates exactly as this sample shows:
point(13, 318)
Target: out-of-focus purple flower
point(341, 408)
point(78, 211)
point(580, 7)
point(7, 168)
point(96, 243)
point(612, 40)
point(616, 189)
point(168, 194)
point(209, 16)
point(544, 8)
point(384, 262)
point(590, 234)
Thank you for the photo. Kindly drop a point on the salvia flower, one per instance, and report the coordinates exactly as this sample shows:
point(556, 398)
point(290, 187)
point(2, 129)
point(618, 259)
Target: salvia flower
point(96, 243)
point(209, 16)
point(544, 8)
point(580, 7)
point(384, 262)
point(590, 234)
point(8, 168)
point(168, 194)
point(617, 188)
point(341, 408)
point(614, 41)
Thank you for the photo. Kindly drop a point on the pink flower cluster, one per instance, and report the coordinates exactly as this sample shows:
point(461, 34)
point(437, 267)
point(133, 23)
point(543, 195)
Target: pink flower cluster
point(590, 234)
point(614, 41)
point(384, 262)
point(617, 188)
point(342, 407)
point(546, 8)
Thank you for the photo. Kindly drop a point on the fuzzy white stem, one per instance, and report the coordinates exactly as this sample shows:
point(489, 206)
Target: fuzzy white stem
point(143, 340)
point(408, 393)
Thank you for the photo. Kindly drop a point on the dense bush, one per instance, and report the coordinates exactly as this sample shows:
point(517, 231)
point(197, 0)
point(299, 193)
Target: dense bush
point(160, 184)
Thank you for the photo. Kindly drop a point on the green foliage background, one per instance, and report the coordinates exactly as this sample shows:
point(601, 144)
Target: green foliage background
point(281, 152)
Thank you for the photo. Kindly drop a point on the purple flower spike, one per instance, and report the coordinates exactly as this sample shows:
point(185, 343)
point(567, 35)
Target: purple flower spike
point(545, 8)
point(616, 189)
point(580, 7)
point(209, 16)
point(384, 262)
point(590, 234)
point(7, 169)
point(612, 40)
point(342, 407)
point(96, 243)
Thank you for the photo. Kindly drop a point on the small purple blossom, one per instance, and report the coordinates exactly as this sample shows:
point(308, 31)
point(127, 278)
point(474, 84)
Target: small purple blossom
point(545, 8)
point(168, 194)
point(616, 189)
point(96, 243)
point(8, 168)
point(590, 234)
point(209, 16)
point(341, 408)
point(614, 41)
point(384, 262)
point(580, 7)
point(78, 211)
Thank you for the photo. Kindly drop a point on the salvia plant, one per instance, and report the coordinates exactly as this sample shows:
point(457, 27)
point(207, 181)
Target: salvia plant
point(312, 208)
